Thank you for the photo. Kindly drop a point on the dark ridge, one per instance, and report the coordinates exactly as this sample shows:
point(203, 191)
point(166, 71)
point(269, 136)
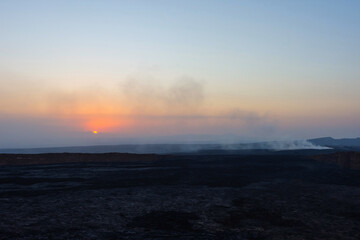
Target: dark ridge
point(122, 148)
point(57, 158)
point(331, 142)
point(349, 160)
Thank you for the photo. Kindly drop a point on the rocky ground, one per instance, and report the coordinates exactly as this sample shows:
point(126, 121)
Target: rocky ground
point(349, 159)
point(182, 197)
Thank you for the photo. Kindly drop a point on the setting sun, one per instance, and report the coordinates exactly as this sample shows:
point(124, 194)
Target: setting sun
point(104, 124)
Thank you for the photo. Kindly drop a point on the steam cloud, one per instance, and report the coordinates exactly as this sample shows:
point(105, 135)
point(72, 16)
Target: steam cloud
point(277, 145)
point(184, 94)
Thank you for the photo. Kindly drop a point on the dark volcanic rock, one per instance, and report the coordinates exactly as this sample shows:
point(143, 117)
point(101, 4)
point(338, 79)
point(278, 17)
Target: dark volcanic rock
point(192, 197)
point(349, 160)
point(165, 220)
point(252, 211)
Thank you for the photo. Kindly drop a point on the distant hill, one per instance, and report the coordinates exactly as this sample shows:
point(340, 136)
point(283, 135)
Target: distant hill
point(131, 148)
point(240, 148)
point(332, 142)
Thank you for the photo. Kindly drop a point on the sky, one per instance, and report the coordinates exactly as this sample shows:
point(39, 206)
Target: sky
point(177, 71)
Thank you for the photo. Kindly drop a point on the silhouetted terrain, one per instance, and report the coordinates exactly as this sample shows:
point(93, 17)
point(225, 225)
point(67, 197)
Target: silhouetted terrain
point(129, 148)
point(240, 148)
point(56, 158)
point(331, 142)
point(268, 195)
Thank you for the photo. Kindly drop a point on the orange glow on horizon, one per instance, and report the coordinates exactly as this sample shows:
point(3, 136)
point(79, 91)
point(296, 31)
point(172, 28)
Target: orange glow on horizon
point(105, 124)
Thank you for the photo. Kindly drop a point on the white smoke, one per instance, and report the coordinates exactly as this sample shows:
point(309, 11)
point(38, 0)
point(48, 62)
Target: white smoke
point(276, 145)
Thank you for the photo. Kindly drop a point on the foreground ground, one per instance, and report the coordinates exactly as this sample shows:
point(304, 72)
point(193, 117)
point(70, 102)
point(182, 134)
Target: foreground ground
point(182, 197)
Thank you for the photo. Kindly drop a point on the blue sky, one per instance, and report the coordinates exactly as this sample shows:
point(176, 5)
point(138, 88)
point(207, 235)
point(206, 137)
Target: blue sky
point(293, 64)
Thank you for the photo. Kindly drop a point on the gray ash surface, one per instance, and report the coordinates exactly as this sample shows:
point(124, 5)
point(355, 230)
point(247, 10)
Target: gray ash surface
point(182, 197)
